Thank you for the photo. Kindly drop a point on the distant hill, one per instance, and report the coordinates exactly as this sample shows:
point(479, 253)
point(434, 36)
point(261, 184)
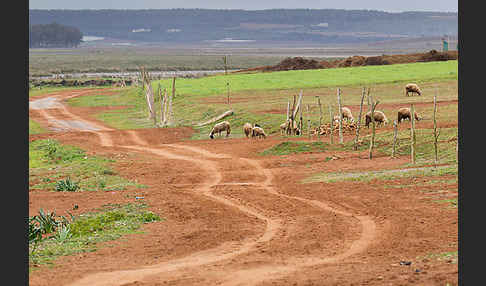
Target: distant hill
point(282, 25)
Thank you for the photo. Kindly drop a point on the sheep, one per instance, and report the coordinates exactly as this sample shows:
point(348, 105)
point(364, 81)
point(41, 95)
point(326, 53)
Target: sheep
point(218, 128)
point(258, 131)
point(247, 129)
point(379, 117)
point(413, 88)
point(347, 114)
point(404, 113)
point(283, 127)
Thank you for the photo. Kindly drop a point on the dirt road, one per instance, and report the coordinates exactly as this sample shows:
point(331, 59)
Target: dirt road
point(232, 217)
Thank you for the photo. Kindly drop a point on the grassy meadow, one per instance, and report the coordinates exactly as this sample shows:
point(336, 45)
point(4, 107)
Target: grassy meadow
point(262, 97)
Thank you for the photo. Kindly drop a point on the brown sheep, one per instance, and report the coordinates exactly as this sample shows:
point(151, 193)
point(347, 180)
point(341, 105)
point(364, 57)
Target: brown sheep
point(404, 113)
point(413, 88)
point(247, 129)
point(218, 128)
point(379, 117)
point(258, 132)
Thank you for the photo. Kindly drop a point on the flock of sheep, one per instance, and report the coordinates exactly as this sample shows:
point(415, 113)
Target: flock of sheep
point(379, 117)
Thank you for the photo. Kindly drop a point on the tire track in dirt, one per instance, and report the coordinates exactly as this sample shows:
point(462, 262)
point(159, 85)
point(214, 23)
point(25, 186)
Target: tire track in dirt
point(229, 249)
point(223, 252)
point(54, 102)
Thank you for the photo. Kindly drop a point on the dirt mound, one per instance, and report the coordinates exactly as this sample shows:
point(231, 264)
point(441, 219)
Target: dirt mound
point(299, 63)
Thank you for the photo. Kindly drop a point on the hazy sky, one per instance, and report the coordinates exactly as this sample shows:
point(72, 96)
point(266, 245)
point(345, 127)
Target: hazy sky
point(382, 5)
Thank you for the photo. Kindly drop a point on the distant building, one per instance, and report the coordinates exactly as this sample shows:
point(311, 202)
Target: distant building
point(141, 30)
point(325, 25)
point(173, 30)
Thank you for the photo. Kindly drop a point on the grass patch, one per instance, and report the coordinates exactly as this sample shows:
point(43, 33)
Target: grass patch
point(382, 175)
point(450, 202)
point(57, 167)
point(294, 147)
point(84, 232)
point(35, 128)
point(448, 255)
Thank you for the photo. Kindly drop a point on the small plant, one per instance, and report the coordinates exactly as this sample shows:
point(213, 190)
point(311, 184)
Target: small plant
point(35, 233)
point(63, 233)
point(46, 221)
point(67, 185)
point(51, 148)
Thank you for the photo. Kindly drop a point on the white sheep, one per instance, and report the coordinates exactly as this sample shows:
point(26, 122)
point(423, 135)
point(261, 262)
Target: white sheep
point(247, 129)
point(258, 132)
point(347, 114)
point(218, 128)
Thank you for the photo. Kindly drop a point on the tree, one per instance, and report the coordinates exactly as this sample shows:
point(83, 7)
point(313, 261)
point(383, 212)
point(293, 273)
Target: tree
point(54, 35)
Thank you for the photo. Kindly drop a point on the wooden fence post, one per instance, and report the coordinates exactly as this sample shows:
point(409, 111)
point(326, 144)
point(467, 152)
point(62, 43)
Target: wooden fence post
point(161, 106)
point(320, 118)
point(227, 82)
point(290, 125)
point(395, 133)
point(412, 134)
point(301, 122)
point(372, 143)
point(308, 122)
point(165, 107)
point(359, 120)
point(331, 124)
point(340, 116)
point(436, 136)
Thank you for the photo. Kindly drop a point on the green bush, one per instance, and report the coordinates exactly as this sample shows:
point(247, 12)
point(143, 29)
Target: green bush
point(67, 185)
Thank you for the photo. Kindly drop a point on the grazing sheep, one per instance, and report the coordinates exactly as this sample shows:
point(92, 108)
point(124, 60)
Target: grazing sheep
point(247, 129)
point(378, 116)
point(283, 127)
point(404, 113)
point(413, 88)
point(347, 114)
point(258, 131)
point(218, 128)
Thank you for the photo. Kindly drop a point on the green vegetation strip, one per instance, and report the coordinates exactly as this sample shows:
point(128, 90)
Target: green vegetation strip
point(51, 236)
point(382, 175)
point(57, 167)
point(364, 75)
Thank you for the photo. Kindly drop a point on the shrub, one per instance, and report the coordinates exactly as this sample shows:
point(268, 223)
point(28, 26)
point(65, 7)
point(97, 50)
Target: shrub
point(67, 185)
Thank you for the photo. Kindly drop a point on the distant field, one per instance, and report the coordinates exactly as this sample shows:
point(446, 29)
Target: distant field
point(54, 61)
